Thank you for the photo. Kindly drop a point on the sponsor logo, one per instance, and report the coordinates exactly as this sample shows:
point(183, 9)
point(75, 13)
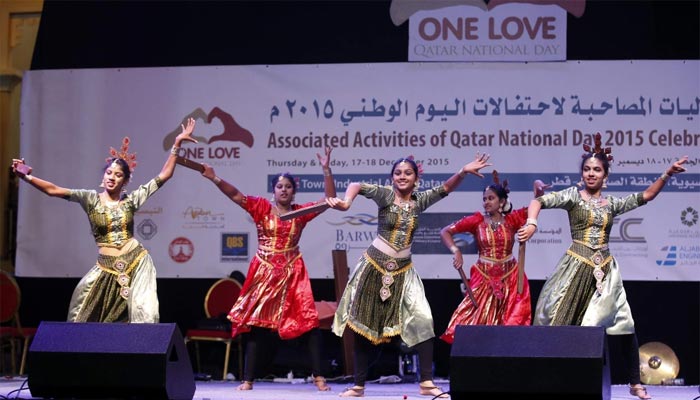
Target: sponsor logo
point(181, 249)
point(680, 255)
point(689, 217)
point(626, 230)
point(671, 256)
point(149, 211)
point(234, 247)
point(201, 218)
point(219, 137)
point(147, 229)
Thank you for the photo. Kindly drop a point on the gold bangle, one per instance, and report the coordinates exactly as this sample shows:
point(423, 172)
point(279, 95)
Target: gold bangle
point(216, 180)
point(461, 173)
point(531, 221)
point(664, 176)
point(326, 172)
point(175, 150)
point(454, 249)
point(28, 178)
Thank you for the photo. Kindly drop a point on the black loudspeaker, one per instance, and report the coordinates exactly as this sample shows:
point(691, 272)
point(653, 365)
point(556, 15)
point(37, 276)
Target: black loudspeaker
point(530, 362)
point(100, 360)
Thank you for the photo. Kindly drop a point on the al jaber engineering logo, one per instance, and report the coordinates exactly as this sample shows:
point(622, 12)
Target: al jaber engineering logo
point(217, 149)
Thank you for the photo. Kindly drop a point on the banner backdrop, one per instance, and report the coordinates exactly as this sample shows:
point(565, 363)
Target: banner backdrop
point(256, 121)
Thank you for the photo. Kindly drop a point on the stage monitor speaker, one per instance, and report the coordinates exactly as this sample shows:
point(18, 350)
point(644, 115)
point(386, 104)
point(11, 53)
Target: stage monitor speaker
point(529, 362)
point(109, 360)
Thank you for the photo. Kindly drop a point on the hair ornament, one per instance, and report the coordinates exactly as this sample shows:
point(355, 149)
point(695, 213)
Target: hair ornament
point(598, 149)
point(123, 153)
point(497, 181)
point(418, 165)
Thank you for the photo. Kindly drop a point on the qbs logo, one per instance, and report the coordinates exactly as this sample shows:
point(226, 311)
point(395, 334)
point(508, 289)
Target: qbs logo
point(627, 228)
point(234, 247)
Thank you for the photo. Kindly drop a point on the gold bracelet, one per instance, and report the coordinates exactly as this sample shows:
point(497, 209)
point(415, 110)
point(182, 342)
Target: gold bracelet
point(454, 249)
point(175, 150)
point(28, 178)
point(531, 221)
point(326, 172)
point(664, 176)
point(216, 180)
point(461, 173)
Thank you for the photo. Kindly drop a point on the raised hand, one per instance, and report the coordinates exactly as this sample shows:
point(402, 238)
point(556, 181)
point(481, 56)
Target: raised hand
point(677, 166)
point(325, 160)
point(539, 187)
point(19, 168)
point(479, 162)
point(185, 135)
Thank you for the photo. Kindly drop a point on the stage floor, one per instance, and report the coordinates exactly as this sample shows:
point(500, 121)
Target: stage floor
point(226, 390)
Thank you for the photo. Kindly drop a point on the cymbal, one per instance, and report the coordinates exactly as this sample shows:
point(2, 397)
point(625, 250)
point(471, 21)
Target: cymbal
point(657, 362)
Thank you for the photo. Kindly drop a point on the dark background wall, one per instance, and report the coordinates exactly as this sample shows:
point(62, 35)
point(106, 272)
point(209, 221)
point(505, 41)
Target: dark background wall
point(123, 34)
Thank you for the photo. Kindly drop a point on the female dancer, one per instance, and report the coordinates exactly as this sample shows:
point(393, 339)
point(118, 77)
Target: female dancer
point(276, 299)
point(384, 298)
point(586, 287)
point(494, 276)
point(121, 287)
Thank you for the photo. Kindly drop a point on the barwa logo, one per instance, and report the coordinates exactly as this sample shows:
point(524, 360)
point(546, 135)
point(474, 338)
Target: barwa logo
point(215, 132)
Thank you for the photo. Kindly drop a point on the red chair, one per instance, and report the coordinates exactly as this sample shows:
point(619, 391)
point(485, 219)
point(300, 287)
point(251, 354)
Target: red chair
point(217, 303)
point(11, 331)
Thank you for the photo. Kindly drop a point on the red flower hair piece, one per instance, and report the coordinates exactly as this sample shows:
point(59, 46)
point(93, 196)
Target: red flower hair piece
point(418, 165)
point(598, 149)
point(123, 153)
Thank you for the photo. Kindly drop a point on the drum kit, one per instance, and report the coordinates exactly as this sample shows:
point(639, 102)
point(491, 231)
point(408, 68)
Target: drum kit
point(658, 364)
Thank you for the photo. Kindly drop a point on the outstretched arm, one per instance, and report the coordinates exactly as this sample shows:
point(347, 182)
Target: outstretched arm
point(526, 231)
point(24, 171)
point(226, 188)
point(169, 167)
point(655, 188)
point(328, 182)
point(473, 167)
point(350, 193)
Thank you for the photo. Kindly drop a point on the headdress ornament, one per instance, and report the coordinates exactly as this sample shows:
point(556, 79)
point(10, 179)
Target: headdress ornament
point(123, 153)
point(497, 181)
point(508, 206)
point(589, 152)
point(418, 165)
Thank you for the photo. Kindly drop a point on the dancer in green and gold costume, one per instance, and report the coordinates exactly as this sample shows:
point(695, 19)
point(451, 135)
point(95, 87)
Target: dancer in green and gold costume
point(121, 286)
point(586, 287)
point(384, 298)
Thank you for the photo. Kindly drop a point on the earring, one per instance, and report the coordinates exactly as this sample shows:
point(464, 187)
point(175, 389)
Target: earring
point(605, 183)
point(580, 183)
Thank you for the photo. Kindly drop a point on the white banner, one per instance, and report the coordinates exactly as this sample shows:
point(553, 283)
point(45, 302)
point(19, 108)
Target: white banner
point(509, 32)
point(256, 121)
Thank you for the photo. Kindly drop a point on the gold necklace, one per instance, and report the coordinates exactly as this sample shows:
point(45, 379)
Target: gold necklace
point(404, 204)
point(595, 201)
point(494, 224)
point(279, 211)
point(111, 203)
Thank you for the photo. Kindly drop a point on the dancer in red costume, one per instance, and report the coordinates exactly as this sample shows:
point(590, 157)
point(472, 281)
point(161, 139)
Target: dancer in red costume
point(276, 300)
point(494, 275)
